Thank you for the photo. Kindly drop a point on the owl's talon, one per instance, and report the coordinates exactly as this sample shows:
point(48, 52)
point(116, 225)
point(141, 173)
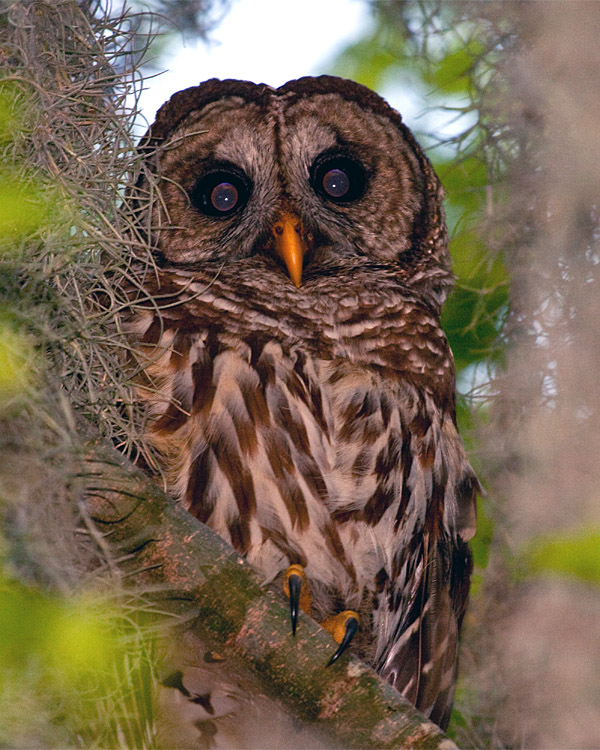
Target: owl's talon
point(294, 585)
point(296, 588)
point(343, 627)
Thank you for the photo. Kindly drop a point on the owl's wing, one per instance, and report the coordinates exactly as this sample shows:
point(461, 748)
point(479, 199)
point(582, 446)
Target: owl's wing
point(421, 661)
point(427, 600)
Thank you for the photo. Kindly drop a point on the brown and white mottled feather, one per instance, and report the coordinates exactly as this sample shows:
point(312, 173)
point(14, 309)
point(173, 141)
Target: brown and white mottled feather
point(313, 425)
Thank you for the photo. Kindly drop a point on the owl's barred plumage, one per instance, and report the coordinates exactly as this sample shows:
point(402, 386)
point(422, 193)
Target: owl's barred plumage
point(312, 424)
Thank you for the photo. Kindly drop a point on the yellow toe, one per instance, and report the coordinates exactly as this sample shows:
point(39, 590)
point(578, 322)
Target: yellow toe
point(337, 625)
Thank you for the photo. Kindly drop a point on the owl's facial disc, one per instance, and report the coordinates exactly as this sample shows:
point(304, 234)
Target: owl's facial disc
point(290, 244)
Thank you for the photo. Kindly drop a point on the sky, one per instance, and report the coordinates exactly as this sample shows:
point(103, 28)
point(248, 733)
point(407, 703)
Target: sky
point(265, 41)
point(275, 41)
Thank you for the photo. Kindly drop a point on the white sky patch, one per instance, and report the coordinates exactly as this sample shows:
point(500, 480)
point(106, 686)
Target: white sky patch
point(275, 41)
point(265, 41)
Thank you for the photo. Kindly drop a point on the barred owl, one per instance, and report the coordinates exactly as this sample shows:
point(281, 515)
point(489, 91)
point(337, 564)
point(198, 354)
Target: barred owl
point(300, 389)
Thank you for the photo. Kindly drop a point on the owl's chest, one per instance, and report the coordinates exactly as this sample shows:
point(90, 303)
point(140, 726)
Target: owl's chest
point(289, 456)
point(305, 429)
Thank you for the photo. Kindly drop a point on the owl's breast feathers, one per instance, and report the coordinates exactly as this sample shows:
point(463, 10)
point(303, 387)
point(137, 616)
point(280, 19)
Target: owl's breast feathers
point(324, 434)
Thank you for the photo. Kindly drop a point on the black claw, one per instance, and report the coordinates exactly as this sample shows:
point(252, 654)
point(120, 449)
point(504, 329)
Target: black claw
point(351, 629)
point(295, 584)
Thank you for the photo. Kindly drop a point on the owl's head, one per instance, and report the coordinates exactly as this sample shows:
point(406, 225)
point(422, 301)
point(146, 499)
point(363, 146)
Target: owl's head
point(318, 178)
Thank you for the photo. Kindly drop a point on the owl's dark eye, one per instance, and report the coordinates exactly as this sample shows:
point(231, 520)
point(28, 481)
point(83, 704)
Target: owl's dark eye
point(336, 183)
point(224, 197)
point(338, 177)
point(221, 192)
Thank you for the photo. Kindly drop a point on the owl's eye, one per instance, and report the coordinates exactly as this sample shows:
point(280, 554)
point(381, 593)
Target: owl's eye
point(221, 192)
point(338, 177)
point(336, 183)
point(224, 197)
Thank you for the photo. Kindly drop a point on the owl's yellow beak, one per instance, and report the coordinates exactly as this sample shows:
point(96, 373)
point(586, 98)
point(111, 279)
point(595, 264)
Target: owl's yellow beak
point(290, 245)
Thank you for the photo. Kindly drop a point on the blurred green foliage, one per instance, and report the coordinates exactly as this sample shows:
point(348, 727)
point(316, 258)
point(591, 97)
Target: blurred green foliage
point(47, 634)
point(29, 203)
point(13, 113)
point(71, 667)
point(25, 206)
point(22, 210)
point(18, 367)
point(576, 555)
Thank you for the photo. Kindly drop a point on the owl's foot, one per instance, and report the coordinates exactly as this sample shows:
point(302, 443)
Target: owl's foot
point(343, 627)
point(295, 587)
